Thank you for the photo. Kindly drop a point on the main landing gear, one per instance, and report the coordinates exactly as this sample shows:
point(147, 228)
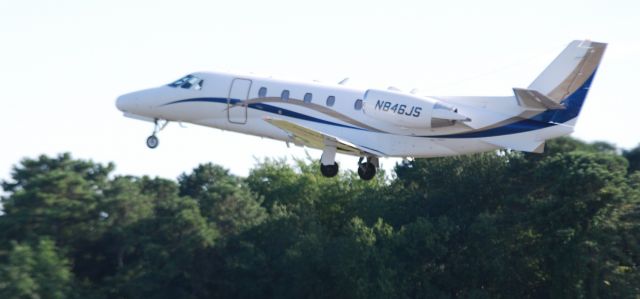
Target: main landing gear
point(329, 171)
point(367, 170)
point(329, 168)
point(152, 141)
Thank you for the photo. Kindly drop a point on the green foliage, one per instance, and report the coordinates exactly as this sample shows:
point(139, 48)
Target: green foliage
point(504, 224)
point(53, 197)
point(222, 198)
point(633, 156)
point(35, 272)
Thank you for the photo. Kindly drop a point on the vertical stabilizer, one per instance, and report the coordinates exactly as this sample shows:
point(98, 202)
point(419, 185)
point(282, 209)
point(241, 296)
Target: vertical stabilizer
point(554, 100)
point(570, 70)
point(567, 80)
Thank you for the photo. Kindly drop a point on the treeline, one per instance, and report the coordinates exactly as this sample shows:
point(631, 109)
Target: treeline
point(564, 224)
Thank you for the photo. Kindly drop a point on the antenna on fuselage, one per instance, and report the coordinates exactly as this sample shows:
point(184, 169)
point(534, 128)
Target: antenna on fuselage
point(393, 88)
point(344, 81)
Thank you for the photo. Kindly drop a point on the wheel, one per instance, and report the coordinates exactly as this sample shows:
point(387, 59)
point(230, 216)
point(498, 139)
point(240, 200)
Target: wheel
point(152, 141)
point(366, 171)
point(329, 171)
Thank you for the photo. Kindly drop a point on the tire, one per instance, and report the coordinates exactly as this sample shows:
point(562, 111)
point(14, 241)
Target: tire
point(152, 141)
point(329, 171)
point(367, 171)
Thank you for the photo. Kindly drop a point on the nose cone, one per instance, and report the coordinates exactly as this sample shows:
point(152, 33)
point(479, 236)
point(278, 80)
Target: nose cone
point(125, 103)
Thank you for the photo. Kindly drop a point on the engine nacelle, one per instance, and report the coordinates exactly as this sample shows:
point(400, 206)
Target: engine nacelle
point(409, 111)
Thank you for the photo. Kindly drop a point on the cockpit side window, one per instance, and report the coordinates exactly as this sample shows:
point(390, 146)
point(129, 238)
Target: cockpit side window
point(188, 82)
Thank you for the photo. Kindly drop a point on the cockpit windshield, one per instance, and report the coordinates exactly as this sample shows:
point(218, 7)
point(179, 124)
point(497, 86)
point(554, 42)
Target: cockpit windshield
point(188, 82)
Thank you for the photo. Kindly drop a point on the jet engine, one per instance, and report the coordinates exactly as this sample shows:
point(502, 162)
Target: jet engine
point(409, 111)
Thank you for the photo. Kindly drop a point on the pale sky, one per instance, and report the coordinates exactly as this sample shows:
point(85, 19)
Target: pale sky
point(64, 62)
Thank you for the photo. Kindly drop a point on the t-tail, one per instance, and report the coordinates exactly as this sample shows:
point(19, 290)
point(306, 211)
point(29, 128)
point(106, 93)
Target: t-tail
point(555, 98)
point(565, 83)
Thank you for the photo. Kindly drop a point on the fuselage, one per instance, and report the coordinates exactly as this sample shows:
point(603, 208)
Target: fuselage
point(378, 122)
point(240, 103)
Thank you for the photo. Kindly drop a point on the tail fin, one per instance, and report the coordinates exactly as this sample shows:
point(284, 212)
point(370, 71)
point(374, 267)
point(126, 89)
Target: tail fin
point(555, 97)
point(567, 79)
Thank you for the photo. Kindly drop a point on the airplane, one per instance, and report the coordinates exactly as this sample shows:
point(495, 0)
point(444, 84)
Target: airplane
point(376, 123)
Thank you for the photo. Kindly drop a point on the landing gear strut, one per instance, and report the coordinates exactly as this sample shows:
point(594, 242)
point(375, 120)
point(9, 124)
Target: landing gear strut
point(367, 170)
point(328, 166)
point(152, 141)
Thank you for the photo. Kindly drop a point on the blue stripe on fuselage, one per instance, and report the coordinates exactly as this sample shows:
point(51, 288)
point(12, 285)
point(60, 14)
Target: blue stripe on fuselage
point(267, 108)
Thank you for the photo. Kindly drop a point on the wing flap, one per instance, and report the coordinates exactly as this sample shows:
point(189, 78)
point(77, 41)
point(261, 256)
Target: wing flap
point(316, 139)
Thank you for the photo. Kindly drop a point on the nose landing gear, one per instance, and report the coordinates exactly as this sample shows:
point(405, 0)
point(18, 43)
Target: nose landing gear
point(152, 141)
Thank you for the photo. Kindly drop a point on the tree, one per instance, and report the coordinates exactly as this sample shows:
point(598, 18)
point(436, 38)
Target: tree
point(114, 245)
point(633, 156)
point(168, 250)
point(35, 272)
point(223, 198)
point(501, 224)
point(53, 197)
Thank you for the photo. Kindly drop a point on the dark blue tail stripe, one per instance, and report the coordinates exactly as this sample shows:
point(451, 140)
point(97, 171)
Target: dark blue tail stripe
point(540, 121)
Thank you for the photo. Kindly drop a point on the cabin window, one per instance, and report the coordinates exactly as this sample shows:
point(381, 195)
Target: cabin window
point(285, 95)
point(331, 100)
point(307, 97)
point(358, 104)
point(198, 85)
point(180, 81)
point(262, 92)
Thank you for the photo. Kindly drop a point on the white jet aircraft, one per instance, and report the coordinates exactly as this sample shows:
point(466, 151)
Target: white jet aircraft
point(376, 123)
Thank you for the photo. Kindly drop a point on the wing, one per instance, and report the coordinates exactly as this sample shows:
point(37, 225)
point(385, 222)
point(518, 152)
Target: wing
point(312, 138)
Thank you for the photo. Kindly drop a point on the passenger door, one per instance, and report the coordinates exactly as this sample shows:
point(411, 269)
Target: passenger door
point(236, 101)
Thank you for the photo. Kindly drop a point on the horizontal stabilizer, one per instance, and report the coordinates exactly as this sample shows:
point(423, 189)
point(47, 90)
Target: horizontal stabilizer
point(534, 100)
